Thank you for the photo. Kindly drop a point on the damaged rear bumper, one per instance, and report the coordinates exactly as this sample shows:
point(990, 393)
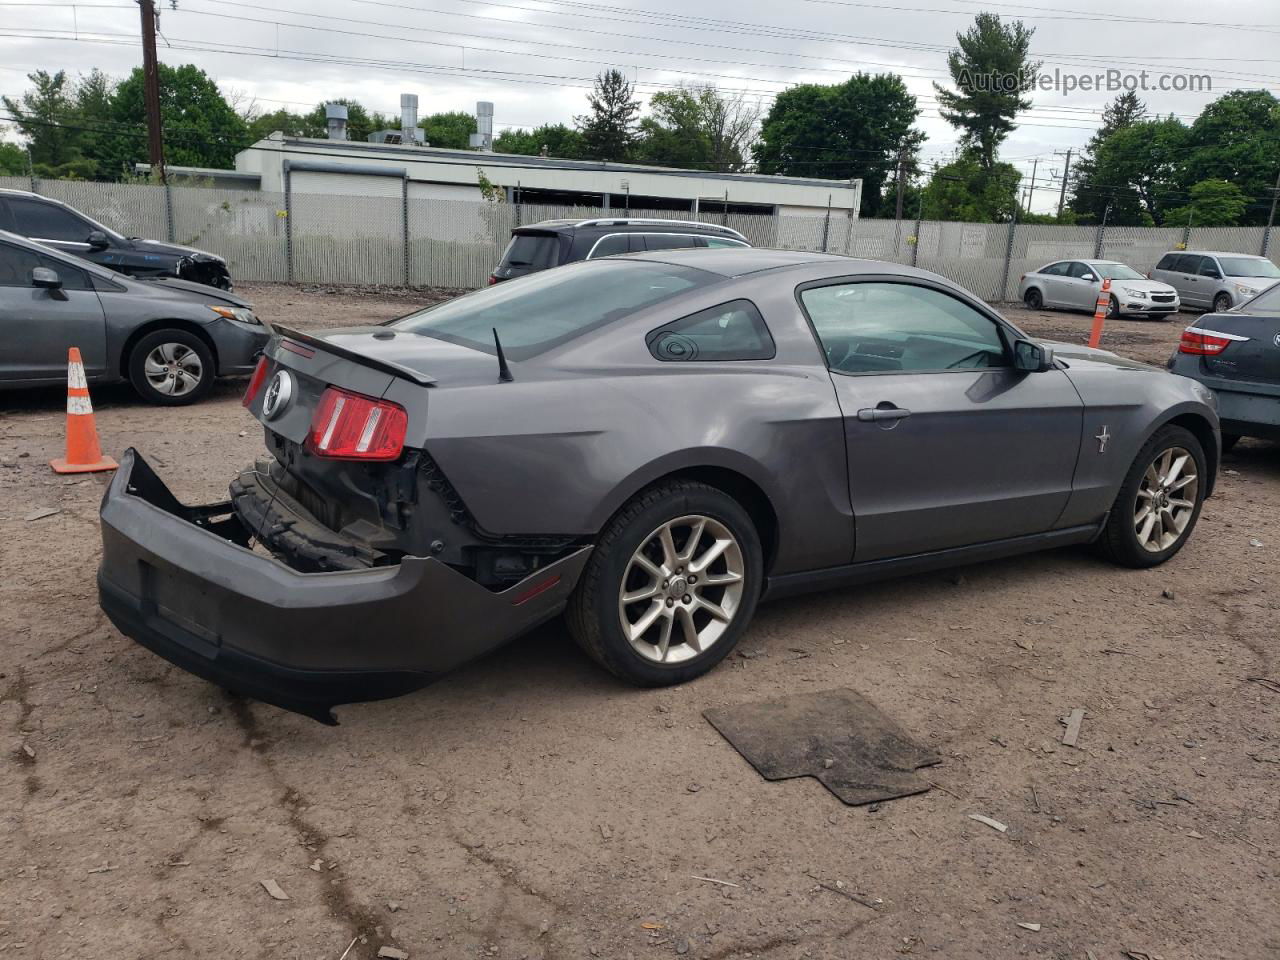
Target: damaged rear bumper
point(179, 581)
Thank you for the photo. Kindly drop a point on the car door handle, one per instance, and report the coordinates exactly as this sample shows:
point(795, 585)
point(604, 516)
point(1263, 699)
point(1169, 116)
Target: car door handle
point(868, 414)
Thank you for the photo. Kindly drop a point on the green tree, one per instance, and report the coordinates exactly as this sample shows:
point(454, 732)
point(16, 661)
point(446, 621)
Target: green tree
point(452, 129)
point(1138, 172)
point(609, 130)
point(1236, 138)
point(842, 131)
point(1213, 203)
point(13, 160)
point(697, 127)
point(46, 117)
point(1121, 113)
point(286, 121)
point(992, 73)
point(967, 190)
point(200, 127)
point(557, 139)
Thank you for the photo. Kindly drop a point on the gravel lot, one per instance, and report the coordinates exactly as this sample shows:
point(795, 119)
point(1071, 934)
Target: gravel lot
point(530, 806)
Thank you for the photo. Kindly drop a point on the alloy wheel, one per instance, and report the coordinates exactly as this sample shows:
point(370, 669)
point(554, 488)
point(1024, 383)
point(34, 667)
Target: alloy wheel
point(681, 589)
point(1166, 499)
point(173, 369)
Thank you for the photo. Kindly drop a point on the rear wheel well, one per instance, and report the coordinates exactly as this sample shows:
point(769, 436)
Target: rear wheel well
point(746, 492)
point(1204, 433)
point(173, 324)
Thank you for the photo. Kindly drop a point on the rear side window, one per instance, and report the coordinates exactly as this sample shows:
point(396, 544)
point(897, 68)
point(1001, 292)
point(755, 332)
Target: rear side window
point(1187, 263)
point(716, 242)
point(1167, 262)
point(730, 331)
point(539, 251)
point(16, 264)
point(610, 246)
point(46, 221)
point(668, 241)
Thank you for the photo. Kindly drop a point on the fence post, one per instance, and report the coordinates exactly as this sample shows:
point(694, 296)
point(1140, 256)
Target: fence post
point(288, 222)
point(826, 225)
point(1266, 240)
point(168, 211)
point(915, 247)
point(1102, 232)
point(404, 220)
point(1008, 256)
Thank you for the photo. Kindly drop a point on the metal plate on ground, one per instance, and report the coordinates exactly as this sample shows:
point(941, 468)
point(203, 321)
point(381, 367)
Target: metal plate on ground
point(871, 757)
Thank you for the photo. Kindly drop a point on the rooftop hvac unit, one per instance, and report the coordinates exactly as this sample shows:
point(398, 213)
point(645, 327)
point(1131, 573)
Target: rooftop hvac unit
point(335, 118)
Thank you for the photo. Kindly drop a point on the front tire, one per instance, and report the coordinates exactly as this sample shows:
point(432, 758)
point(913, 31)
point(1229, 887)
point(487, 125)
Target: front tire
point(1113, 308)
point(171, 367)
point(1159, 502)
point(1222, 303)
point(671, 586)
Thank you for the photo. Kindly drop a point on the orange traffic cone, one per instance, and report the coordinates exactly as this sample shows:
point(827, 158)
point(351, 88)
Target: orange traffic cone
point(83, 453)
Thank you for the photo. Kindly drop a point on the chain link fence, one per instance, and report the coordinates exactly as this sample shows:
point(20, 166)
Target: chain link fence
point(307, 237)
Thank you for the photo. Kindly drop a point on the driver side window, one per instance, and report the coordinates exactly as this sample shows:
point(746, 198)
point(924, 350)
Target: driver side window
point(1081, 271)
point(16, 264)
point(878, 327)
point(45, 221)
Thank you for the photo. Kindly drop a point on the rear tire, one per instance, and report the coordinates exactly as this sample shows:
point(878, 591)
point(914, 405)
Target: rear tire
point(1222, 303)
point(1034, 299)
point(1159, 502)
point(674, 628)
point(171, 367)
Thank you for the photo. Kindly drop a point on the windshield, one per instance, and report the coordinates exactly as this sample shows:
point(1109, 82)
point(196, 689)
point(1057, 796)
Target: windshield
point(1248, 267)
point(537, 250)
point(1117, 271)
point(545, 309)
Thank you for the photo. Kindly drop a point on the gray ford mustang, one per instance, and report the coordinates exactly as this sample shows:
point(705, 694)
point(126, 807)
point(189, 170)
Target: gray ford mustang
point(650, 444)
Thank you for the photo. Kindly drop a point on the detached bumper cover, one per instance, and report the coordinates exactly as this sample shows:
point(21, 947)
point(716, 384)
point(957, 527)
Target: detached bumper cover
point(175, 579)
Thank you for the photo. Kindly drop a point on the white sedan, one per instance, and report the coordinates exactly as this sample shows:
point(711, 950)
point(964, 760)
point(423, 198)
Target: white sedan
point(1076, 284)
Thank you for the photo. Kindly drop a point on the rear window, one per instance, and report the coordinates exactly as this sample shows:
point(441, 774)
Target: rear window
point(1268, 301)
point(1248, 267)
point(539, 251)
point(545, 309)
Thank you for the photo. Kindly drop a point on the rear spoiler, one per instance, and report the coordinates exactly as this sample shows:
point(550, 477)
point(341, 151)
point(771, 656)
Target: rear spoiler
point(386, 366)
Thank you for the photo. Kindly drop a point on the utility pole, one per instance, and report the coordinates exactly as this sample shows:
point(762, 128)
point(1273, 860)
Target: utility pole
point(1031, 190)
point(151, 88)
point(1066, 169)
point(1271, 217)
point(902, 162)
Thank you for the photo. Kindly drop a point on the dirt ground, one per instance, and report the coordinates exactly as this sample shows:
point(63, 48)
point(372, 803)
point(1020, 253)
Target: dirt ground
point(530, 806)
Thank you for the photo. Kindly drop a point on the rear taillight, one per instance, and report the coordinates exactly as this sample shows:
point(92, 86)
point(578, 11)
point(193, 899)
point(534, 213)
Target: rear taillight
point(492, 279)
point(255, 382)
point(351, 426)
point(1206, 342)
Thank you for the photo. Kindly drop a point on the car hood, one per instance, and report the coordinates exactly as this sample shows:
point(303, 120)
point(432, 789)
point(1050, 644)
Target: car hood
point(172, 249)
point(1075, 354)
point(1258, 283)
point(446, 364)
point(1147, 286)
point(177, 289)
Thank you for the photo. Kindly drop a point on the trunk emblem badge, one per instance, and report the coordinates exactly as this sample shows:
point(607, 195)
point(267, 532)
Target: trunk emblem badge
point(279, 393)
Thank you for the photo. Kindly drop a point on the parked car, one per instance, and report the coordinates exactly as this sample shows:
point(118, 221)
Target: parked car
point(1215, 281)
point(1076, 284)
point(64, 228)
point(1236, 353)
point(553, 243)
point(169, 338)
point(651, 443)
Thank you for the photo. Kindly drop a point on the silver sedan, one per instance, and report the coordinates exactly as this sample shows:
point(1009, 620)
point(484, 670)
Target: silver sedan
point(1076, 285)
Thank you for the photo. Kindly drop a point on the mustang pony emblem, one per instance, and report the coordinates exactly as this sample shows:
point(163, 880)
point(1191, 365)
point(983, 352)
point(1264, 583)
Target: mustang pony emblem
point(1102, 439)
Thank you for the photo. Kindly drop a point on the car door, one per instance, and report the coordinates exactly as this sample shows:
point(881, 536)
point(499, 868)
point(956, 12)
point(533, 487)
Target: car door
point(947, 444)
point(1052, 287)
point(38, 325)
point(1192, 288)
point(1209, 279)
point(1082, 286)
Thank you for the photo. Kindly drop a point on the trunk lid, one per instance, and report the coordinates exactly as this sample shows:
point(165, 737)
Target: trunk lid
point(1255, 360)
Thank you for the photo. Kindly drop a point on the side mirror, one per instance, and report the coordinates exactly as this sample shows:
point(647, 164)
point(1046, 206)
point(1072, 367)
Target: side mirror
point(97, 240)
point(1088, 276)
point(1032, 357)
point(46, 279)
point(1213, 274)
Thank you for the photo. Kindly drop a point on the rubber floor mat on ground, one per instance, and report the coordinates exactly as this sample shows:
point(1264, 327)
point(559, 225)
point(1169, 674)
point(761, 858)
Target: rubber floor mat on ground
point(858, 752)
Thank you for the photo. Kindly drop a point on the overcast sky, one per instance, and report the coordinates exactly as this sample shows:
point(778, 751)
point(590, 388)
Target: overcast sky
point(535, 58)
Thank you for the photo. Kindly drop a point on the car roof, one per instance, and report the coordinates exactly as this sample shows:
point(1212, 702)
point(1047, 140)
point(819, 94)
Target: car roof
point(1219, 253)
point(741, 262)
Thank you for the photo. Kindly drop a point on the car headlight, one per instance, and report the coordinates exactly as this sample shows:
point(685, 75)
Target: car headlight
point(1246, 291)
point(1136, 294)
point(243, 314)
